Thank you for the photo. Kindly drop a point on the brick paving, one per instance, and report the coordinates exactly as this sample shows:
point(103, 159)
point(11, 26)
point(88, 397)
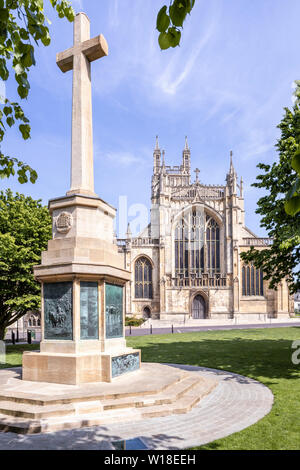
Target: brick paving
point(236, 403)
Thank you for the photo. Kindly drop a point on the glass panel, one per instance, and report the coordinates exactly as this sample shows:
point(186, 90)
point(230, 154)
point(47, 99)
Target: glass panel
point(257, 282)
point(143, 279)
point(58, 310)
point(261, 282)
point(114, 311)
point(248, 280)
point(252, 281)
point(89, 314)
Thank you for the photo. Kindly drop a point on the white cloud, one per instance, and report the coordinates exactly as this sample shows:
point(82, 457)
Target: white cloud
point(77, 5)
point(120, 158)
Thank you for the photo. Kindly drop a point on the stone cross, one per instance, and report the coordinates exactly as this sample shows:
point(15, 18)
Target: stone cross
point(197, 171)
point(78, 58)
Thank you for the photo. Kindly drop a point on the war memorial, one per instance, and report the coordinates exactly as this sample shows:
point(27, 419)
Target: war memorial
point(84, 375)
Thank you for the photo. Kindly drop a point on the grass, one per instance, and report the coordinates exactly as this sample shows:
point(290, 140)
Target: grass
point(14, 354)
point(263, 354)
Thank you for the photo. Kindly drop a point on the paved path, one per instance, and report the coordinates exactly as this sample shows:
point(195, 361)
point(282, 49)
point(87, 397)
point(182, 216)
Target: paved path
point(188, 329)
point(236, 403)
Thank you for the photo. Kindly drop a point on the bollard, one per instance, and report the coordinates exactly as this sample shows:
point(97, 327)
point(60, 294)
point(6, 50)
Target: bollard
point(29, 337)
point(150, 329)
point(172, 329)
point(130, 329)
point(13, 337)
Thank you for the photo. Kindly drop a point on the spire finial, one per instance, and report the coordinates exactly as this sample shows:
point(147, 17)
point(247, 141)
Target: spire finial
point(241, 187)
point(128, 233)
point(163, 158)
point(156, 143)
point(231, 162)
point(186, 146)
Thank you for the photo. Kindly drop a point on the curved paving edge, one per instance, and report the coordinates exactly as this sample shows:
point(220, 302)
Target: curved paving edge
point(235, 404)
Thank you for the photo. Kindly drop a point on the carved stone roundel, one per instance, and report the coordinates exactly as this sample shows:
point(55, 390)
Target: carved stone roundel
point(64, 222)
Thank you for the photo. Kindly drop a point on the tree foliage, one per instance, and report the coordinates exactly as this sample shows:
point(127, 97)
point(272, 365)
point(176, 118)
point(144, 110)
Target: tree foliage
point(292, 203)
point(25, 228)
point(23, 26)
point(170, 21)
point(282, 259)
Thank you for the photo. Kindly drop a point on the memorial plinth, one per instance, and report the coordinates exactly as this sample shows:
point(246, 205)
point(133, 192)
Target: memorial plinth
point(82, 274)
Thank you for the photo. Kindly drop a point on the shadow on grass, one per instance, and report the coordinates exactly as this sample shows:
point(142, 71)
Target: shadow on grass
point(266, 359)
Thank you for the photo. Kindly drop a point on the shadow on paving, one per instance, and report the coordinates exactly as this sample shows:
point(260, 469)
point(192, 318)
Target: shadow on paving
point(91, 438)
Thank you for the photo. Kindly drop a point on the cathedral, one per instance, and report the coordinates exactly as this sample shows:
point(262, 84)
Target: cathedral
point(186, 263)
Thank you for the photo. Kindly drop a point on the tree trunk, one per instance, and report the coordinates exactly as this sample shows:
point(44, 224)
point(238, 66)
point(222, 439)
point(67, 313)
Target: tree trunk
point(2, 332)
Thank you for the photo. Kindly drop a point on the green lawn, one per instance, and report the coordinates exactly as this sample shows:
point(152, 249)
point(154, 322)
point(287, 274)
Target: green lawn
point(14, 354)
point(263, 354)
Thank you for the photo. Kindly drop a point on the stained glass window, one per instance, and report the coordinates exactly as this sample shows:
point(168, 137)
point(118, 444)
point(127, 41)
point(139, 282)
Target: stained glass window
point(252, 281)
point(143, 279)
point(197, 245)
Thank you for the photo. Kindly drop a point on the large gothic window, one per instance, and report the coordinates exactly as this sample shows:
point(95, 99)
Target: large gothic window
point(213, 245)
point(197, 245)
point(252, 281)
point(143, 279)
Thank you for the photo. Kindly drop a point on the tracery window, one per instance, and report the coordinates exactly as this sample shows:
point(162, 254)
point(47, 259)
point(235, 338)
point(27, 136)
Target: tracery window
point(252, 281)
point(143, 279)
point(197, 245)
point(213, 245)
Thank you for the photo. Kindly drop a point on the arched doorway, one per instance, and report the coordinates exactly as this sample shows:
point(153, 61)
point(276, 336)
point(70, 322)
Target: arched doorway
point(199, 307)
point(147, 313)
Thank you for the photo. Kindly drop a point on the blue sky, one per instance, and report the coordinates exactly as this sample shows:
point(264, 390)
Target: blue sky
point(225, 88)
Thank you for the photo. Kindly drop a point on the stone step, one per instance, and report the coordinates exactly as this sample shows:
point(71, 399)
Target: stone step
point(86, 394)
point(29, 411)
point(22, 410)
point(183, 405)
point(56, 423)
point(179, 389)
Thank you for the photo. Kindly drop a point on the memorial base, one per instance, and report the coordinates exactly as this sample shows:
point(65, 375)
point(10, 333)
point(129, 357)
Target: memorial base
point(76, 369)
point(82, 278)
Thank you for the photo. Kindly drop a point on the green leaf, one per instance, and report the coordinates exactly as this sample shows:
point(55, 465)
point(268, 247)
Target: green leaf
point(7, 110)
point(33, 176)
point(4, 73)
point(163, 20)
point(24, 34)
point(4, 15)
point(10, 121)
point(22, 91)
point(164, 41)
point(46, 40)
point(294, 189)
point(190, 6)
point(175, 36)
point(178, 13)
point(292, 206)
point(296, 161)
point(25, 130)
point(27, 60)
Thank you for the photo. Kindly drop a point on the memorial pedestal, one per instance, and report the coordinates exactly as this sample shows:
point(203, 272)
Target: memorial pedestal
point(83, 306)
